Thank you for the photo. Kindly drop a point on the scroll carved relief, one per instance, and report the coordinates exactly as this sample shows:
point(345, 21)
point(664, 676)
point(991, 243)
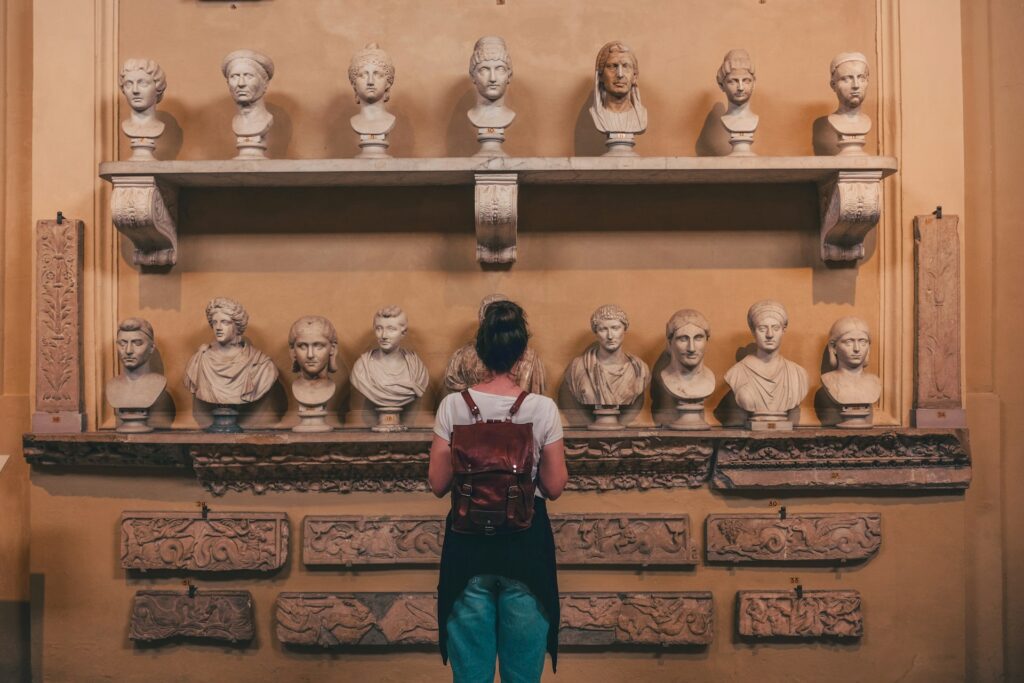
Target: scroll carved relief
point(905, 459)
point(579, 539)
point(797, 538)
point(497, 216)
point(814, 614)
point(850, 209)
point(145, 213)
point(220, 541)
point(59, 255)
point(216, 615)
point(410, 619)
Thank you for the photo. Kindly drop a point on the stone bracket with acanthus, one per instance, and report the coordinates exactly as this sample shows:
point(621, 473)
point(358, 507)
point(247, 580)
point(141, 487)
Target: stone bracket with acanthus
point(850, 209)
point(496, 208)
point(144, 210)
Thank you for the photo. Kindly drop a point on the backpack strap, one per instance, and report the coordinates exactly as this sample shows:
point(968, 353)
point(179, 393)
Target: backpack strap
point(473, 408)
point(515, 406)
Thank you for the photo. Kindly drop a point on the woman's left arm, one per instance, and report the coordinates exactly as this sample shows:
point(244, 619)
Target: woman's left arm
point(440, 473)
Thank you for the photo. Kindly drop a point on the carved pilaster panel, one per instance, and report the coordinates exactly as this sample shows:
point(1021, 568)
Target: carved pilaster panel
point(579, 539)
point(814, 614)
point(497, 216)
point(410, 619)
point(146, 213)
point(800, 537)
point(937, 394)
point(59, 264)
point(905, 459)
point(213, 615)
point(217, 542)
point(850, 208)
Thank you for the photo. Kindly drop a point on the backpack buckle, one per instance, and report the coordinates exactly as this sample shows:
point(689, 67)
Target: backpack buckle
point(466, 489)
point(514, 491)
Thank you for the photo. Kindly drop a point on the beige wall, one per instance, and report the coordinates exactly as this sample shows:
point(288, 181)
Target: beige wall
point(937, 582)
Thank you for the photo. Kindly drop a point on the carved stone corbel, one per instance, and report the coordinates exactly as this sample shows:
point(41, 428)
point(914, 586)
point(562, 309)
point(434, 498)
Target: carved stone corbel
point(497, 216)
point(850, 208)
point(145, 211)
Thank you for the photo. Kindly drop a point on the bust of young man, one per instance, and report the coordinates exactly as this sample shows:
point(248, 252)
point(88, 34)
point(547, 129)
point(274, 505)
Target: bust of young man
point(390, 376)
point(605, 375)
point(137, 387)
point(685, 376)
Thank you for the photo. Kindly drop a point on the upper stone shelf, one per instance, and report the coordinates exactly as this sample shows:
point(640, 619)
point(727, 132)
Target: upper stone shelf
point(145, 193)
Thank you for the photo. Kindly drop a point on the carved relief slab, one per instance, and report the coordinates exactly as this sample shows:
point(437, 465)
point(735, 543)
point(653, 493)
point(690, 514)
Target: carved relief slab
point(802, 537)
point(59, 263)
point(815, 614)
point(215, 615)
point(410, 619)
point(220, 541)
point(579, 539)
point(830, 459)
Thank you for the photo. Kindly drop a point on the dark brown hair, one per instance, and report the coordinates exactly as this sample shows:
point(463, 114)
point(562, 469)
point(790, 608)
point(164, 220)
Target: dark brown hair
point(502, 336)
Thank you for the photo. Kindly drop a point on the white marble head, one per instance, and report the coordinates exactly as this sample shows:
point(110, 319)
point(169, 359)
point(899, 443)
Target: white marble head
point(609, 324)
point(248, 73)
point(616, 73)
point(767, 321)
point(390, 325)
point(143, 83)
point(687, 332)
point(490, 67)
point(848, 77)
point(849, 343)
point(135, 342)
point(313, 343)
point(736, 76)
point(371, 73)
point(228, 319)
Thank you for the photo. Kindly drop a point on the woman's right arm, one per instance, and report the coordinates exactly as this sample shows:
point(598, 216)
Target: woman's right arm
point(553, 473)
point(439, 472)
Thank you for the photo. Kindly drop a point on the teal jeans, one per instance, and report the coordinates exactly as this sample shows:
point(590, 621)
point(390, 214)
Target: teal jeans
point(497, 617)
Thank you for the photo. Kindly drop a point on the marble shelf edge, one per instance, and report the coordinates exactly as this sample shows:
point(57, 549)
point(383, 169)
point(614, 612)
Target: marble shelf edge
point(145, 193)
point(355, 460)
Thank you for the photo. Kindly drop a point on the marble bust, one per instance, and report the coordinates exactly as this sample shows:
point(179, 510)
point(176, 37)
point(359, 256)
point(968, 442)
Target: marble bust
point(736, 79)
point(313, 345)
point(848, 77)
point(617, 110)
point(605, 376)
point(685, 376)
point(766, 384)
point(848, 385)
point(143, 83)
point(248, 74)
point(230, 371)
point(390, 376)
point(465, 368)
point(372, 74)
point(490, 69)
point(135, 391)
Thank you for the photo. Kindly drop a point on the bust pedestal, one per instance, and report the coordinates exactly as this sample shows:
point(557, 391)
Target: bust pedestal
point(133, 421)
point(251, 146)
point(312, 396)
point(225, 420)
point(142, 149)
point(388, 419)
point(741, 144)
point(691, 415)
point(620, 145)
point(606, 419)
point(373, 146)
point(131, 399)
point(855, 416)
point(851, 133)
point(490, 140)
point(766, 422)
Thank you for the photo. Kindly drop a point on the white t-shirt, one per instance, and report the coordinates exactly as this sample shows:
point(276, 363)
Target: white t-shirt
point(536, 409)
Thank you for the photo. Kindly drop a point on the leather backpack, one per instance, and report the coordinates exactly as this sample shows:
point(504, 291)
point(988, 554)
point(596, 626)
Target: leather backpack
point(493, 487)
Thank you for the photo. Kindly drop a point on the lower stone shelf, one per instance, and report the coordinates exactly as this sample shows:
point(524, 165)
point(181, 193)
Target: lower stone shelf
point(350, 460)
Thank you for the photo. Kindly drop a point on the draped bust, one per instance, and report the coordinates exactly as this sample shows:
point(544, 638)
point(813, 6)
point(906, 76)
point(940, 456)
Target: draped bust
point(764, 382)
point(390, 376)
point(605, 375)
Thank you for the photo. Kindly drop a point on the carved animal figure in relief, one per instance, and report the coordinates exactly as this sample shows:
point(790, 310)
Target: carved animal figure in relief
point(411, 620)
point(324, 620)
point(390, 375)
point(605, 375)
point(229, 371)
point(655, 619)
point(617, 107)
point(590, 614)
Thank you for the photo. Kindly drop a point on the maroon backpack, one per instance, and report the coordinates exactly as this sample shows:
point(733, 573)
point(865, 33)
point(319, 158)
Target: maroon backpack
point(493, 489)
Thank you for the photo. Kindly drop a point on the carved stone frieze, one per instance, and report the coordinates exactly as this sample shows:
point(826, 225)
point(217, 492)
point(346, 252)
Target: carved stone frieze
point(106, 449)
point(145, 212)
point(579, 539)
point(813, 614)
point(497, 215)
point(410, 619)
point(938, 401)
point(837, 459)
point(214, 614)
point(59, 262)
point(636, 461)
point(850, 209)
point(218, 541)
point(800, 537)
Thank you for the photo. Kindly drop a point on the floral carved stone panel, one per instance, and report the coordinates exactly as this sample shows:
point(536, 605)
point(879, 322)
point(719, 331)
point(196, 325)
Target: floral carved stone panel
point(410, 619)
point(813, 614)
point(579, 539)
point(214, 615)
point(803, 537)
point(216, 542)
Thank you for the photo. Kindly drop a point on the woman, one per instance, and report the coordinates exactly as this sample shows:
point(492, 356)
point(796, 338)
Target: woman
point(498, 595)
